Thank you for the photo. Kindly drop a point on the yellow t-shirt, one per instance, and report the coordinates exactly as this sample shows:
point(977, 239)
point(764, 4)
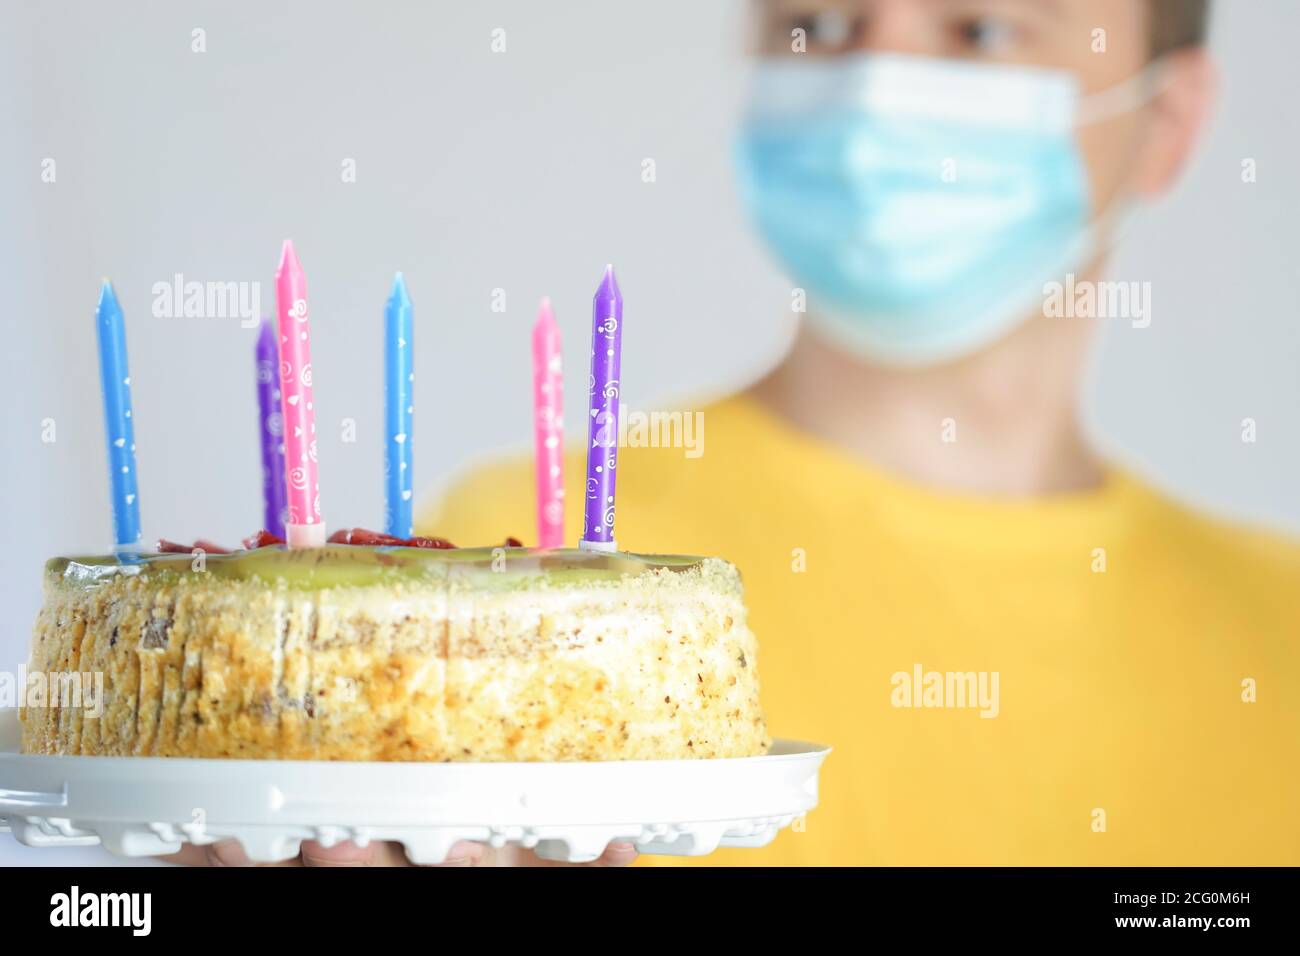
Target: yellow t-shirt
point(1146, 658)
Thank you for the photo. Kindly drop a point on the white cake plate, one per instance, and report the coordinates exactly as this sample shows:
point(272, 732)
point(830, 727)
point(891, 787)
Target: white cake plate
point(147, 806)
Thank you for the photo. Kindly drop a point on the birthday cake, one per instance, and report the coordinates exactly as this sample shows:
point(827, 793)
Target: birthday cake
point(358, 652)
point(368, 646)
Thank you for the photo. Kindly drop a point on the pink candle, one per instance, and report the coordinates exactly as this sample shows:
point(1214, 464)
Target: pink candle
point(548, 427)
point(304, 528)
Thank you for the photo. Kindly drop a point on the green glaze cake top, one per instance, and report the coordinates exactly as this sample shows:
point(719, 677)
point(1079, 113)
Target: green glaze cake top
point(343, 565)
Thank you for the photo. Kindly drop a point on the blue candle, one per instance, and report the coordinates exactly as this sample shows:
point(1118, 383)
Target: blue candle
point(118, 427)
point(399, 386)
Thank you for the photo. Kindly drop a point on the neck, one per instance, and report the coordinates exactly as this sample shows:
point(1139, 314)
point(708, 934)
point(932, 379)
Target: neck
point(1002, 422)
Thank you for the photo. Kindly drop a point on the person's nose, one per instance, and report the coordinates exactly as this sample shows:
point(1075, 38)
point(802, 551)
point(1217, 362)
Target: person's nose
point(897, 26)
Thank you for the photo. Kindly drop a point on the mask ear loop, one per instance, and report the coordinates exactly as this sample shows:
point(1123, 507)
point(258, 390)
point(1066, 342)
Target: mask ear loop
point(1124, 97)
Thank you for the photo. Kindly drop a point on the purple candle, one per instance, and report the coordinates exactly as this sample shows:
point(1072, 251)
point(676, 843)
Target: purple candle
point(271, 431)
point(602, 452)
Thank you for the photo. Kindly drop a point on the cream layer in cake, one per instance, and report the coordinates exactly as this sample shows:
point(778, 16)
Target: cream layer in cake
point(360, 653)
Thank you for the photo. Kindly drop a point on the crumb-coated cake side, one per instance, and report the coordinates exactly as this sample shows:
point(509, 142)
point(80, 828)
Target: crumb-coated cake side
point(356, 653)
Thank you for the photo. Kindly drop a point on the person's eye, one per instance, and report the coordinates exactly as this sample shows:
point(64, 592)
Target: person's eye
point(827, 31)
point(986, 36)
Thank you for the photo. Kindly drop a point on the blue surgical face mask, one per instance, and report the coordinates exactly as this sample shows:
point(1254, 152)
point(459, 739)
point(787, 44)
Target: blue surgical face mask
point(922, 203)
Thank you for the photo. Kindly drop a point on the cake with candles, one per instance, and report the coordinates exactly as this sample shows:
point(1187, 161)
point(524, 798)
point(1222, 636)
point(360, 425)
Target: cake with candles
point(388, 646)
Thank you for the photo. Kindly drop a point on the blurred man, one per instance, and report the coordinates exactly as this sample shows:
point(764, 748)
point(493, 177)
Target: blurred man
point(910, 492)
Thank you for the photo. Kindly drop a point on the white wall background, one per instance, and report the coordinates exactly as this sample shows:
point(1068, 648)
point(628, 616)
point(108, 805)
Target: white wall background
point(519, 171)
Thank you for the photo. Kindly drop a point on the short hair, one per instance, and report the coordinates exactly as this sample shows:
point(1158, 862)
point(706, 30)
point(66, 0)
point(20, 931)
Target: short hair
point(1176, 24)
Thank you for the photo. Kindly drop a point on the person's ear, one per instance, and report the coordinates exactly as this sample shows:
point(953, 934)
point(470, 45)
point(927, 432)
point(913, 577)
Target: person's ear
point(1177, 116)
